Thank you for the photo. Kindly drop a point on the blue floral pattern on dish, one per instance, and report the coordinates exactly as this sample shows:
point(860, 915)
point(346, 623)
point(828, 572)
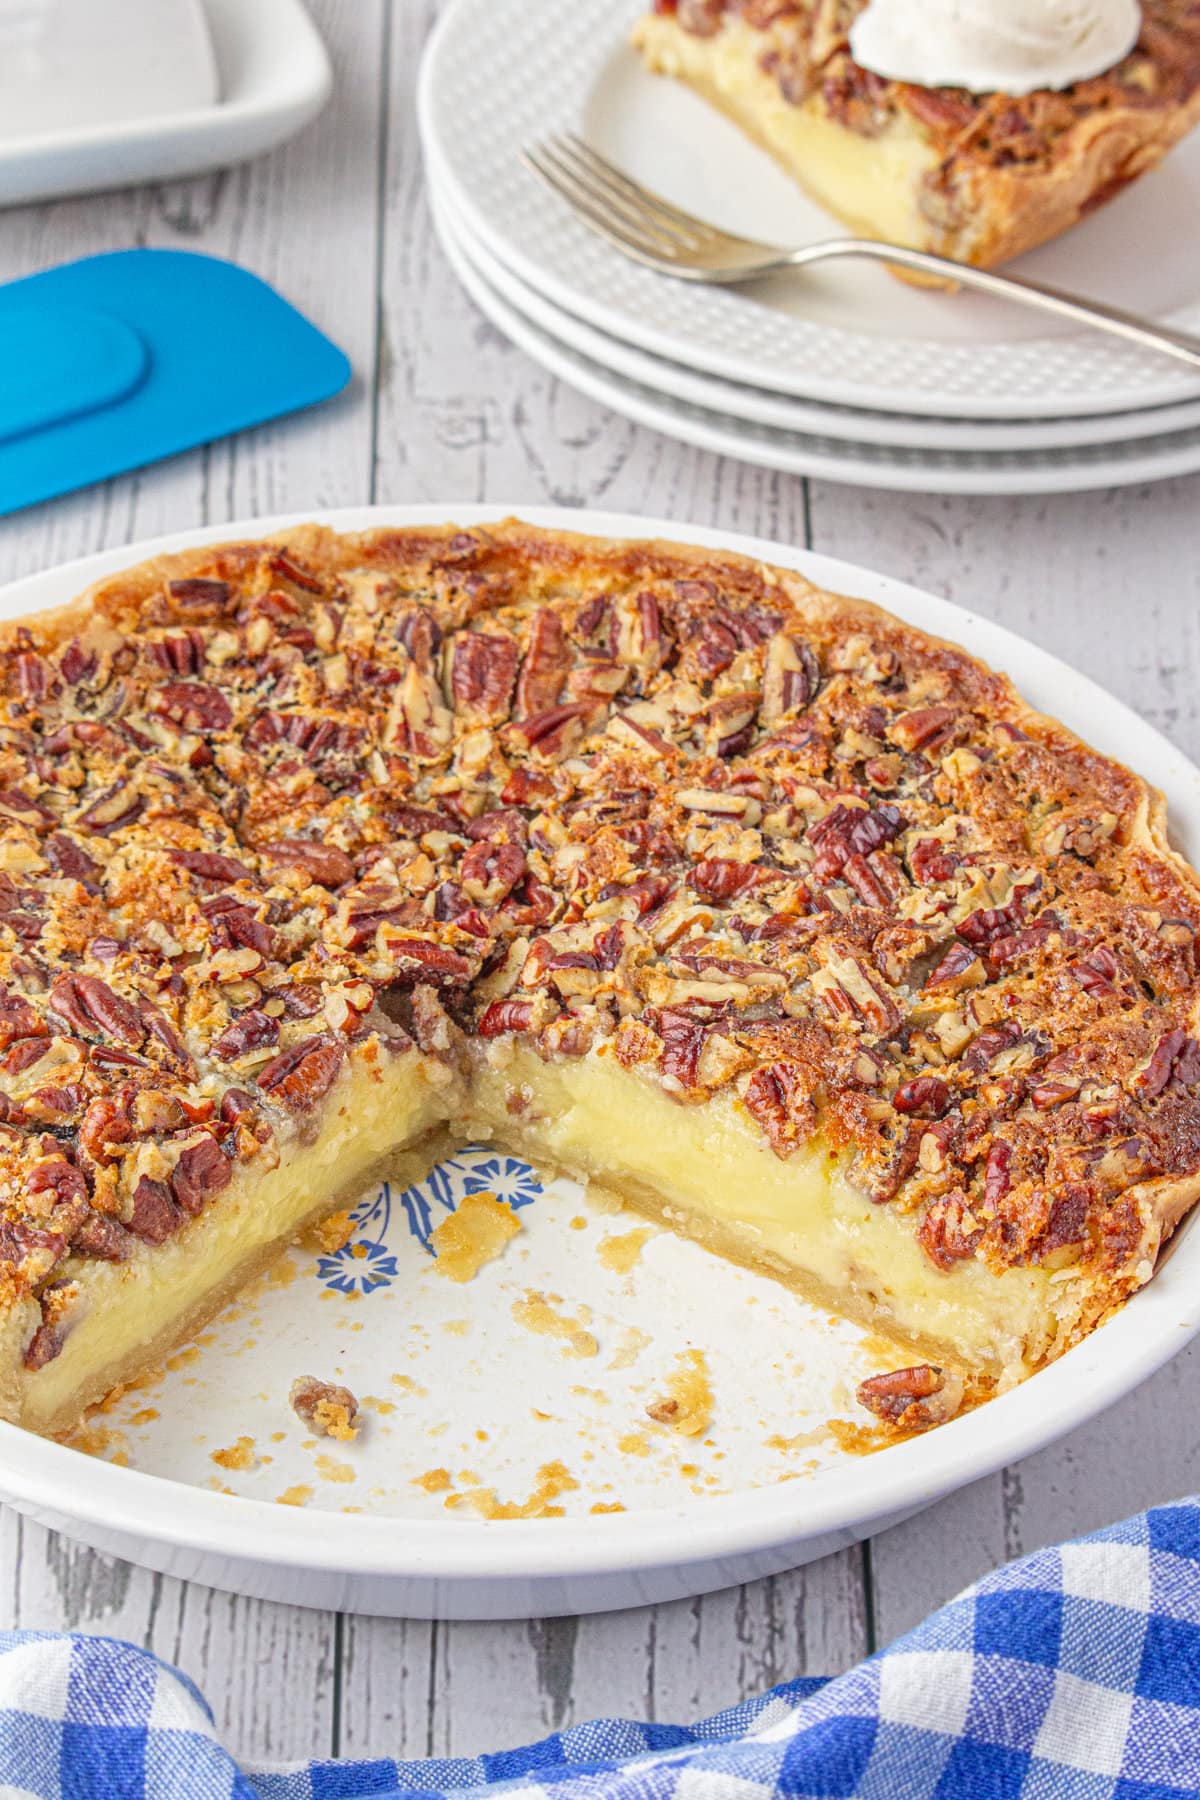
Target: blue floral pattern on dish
point(365, 1263)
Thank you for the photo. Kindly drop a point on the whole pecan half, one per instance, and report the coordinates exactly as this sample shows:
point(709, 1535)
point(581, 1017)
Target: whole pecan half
point(301, 1076)
point(252, 1030)
point(324, 864)
point(90, 1008)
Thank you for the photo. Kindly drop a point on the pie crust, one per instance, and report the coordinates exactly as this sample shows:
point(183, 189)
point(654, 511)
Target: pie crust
point(320, 853)
point(980, 178)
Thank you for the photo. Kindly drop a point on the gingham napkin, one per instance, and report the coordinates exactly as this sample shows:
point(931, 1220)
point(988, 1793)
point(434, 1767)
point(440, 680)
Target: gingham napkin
point(1071, 1675)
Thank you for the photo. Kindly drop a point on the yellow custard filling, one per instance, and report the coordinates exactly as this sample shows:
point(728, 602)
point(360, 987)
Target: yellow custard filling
point(128, 1314)
point(708, 1172)
point(871, 183)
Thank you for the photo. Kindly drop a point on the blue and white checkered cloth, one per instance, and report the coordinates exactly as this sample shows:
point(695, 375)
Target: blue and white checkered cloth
point(1071, 1675)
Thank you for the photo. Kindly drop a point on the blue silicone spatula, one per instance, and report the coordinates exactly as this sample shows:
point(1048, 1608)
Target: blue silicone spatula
point(115, 361)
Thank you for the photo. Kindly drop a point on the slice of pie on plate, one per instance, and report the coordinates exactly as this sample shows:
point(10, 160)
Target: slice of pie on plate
point(977, 177)
point(794, 925)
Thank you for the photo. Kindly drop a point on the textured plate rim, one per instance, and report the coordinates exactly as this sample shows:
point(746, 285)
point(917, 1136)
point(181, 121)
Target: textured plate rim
point(847, 1499)
point(1074, 399)
point(789, 412)
point(890, 468)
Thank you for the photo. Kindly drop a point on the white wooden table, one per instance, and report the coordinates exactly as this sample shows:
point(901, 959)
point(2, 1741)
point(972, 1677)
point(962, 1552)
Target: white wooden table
point(442, 408)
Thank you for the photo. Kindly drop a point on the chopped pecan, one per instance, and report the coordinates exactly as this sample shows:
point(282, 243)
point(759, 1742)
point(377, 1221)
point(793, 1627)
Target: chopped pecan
point(153, 1215)
point(201, 1172)
point(544, 668)
point(194, 705)
point(198, 595)
point(211, 865)
point(791, 678)
point(423, 959)
point(780, 1102)
point(925, 1097)
point(913, 1399)
point(101, 1238)
point(18, 1020)
point(1175, 1062)
point(683, 1040)
point(928, 728)
point(848, 831)
point(483, 667)
point(949, 1231)
point(71, 860)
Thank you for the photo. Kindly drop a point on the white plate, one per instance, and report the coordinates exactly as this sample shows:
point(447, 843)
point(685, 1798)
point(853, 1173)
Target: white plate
point(501, 73)
point(274, 77)
point(412, 1556)
point(949, 471)
point(783, 412)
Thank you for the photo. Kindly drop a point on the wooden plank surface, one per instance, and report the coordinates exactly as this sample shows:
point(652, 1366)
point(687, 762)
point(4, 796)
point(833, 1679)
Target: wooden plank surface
point(442, 408)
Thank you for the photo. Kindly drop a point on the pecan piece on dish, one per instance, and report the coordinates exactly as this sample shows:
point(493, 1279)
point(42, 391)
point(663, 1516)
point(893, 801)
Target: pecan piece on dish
point(326, 1408)
point(912, 1399)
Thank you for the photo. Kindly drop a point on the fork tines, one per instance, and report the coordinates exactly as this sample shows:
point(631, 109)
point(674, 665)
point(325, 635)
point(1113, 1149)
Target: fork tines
point(631, 216)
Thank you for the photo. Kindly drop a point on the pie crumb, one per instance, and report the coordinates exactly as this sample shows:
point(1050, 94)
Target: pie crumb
point(294, 1496)
point(330, 1470)
point(473, 1235)
point(241, 1455)
point(331, 1234)
point(434, 1481)
point(553, 1480)
point(630, 1348)
point(536, 1313)
point(687, 1408)
point(621, 1253)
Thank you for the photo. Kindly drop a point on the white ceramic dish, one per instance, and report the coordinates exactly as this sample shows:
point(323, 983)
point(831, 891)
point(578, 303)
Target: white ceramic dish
point(500, 73)
point(784, 412)
point(274, 78)
point(454, 1565)
point(949, 471)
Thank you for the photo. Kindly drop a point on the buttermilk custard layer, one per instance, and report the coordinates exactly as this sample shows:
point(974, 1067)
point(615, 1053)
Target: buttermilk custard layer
point(979, 177)
point(791, 924)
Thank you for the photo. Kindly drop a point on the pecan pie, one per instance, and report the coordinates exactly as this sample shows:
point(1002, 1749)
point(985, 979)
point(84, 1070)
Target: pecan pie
point(978, 177)
point(790, 923)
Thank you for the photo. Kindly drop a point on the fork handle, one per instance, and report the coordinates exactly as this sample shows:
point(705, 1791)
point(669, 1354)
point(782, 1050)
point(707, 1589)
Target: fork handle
point(1182, 345)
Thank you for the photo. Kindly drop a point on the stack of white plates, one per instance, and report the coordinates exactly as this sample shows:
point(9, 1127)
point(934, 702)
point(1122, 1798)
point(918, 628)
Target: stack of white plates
point(841, 372)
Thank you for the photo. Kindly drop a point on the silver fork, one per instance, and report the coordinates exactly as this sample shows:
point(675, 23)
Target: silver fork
point(664, 237)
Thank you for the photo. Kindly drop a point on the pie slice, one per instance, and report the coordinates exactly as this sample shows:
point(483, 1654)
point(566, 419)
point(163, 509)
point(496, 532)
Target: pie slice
point(980, 178)
point(790, 923)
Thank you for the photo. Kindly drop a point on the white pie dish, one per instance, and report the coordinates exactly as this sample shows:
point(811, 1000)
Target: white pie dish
point(456, 1566)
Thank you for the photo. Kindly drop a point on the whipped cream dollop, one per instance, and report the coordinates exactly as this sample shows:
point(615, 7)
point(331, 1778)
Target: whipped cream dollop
point(1006, 46)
